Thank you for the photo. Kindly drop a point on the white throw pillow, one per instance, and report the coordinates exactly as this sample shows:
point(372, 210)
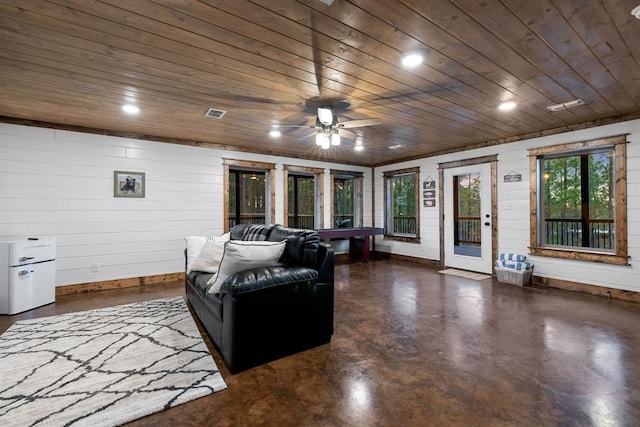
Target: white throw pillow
point(209, 258)
point(194, 246)
point(224, 238)
point(243, 255)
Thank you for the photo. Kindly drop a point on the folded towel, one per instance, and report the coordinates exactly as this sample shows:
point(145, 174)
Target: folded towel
point(514, 265)
point(512, 257)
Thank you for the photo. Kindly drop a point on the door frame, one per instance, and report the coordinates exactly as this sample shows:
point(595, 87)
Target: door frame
point(494, 201)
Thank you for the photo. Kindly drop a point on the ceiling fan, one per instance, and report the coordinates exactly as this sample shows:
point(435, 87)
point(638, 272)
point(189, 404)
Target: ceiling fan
point(328, 131)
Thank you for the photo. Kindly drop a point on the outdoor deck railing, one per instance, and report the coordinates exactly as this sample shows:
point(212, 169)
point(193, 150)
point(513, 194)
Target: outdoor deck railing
point(568, 232)
point(404, 225)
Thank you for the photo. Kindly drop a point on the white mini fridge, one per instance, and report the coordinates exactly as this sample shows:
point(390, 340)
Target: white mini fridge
point(27, 274)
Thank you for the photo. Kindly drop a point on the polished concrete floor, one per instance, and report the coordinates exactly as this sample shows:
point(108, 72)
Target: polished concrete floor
point(416, 348)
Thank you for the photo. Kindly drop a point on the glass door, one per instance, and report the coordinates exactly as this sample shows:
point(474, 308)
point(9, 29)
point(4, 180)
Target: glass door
point(467, 218)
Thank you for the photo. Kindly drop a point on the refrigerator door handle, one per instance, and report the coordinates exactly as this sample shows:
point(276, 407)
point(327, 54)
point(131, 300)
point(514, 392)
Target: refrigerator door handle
point(23, 273)
point(25, 258)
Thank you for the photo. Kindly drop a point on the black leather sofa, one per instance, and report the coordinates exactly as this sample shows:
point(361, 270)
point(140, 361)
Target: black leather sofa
point(267, 313)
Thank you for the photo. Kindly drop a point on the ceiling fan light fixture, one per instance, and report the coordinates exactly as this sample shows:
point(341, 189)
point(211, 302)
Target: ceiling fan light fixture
point(325, 116)
point(359, 147)
point(412, 59)
point(335, 138)
point(636, 12)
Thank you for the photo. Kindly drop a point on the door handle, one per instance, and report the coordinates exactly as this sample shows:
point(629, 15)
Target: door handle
point(25, 258)
point(22, 273)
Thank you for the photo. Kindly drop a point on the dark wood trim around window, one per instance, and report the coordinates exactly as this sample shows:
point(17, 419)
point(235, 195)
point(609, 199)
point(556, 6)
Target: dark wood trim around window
point(358, 184)
point(619, 144)
point(388, 175)
point(318, 175)
point(247, 165)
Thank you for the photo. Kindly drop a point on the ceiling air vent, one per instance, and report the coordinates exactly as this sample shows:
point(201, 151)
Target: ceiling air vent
point(566, 105)
point(215, 113)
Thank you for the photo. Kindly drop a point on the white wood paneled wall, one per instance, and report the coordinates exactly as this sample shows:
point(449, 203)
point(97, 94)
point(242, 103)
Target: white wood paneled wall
point(60, 184)
point(514, 213)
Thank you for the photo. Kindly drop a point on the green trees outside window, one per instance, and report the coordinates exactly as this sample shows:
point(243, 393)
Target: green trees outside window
point(467, 221)
point(579, 200)
point(301, 195)
point(343, 202)
point(247, 198)
point(401, 203)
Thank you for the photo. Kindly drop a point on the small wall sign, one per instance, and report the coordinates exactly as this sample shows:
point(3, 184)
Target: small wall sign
point(513, 177)
point(429, 192)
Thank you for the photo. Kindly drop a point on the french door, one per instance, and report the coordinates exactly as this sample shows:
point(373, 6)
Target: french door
point(467, 218)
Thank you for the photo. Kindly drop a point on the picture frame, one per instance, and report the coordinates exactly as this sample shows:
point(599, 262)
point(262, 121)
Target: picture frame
point(429, 203)
point(129, 184)
point(429, 194)
point(428, 185)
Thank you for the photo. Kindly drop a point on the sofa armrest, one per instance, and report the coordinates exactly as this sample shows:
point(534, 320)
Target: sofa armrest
point(266, 278)
point(325, 261)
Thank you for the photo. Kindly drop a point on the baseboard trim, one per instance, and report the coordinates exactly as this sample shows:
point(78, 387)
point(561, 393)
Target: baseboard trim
point(541, 282)
point(131, 282)
point(434, 263)
point(601, 291)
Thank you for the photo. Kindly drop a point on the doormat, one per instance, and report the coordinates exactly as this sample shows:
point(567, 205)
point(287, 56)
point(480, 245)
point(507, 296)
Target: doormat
point(466, 274)
point(103, 367)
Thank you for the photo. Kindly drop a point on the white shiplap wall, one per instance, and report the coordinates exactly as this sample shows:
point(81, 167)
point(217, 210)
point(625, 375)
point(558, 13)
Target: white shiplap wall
point(60, 184)
point(513, 208)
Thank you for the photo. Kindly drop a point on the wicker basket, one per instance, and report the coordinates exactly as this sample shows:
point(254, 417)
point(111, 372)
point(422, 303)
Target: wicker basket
point(513, 276)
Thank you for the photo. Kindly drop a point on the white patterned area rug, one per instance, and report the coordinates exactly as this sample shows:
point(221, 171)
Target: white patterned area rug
point(103, 367)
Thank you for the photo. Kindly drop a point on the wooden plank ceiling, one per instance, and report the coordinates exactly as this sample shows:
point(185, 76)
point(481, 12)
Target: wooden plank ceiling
point(266, 62)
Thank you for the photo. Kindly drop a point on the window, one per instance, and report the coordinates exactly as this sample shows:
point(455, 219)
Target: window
point(346, 201)
point(578, 190)
point(303, 189)
point(467, 212)
point(248, 193)
point(401, 204)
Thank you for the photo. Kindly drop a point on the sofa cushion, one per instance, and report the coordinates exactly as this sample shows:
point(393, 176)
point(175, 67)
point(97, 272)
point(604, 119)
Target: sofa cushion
point(257, 232)
point(240, 255)
point(302, 245)
point(199, 280)
point(277, 276)
point(195, 244)
point(209, 258)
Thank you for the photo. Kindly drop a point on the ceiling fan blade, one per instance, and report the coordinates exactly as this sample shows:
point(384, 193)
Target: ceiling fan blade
point(360, 123)
point(347, 134)
point(309, 135)
point(294, 126)
point(316, 53)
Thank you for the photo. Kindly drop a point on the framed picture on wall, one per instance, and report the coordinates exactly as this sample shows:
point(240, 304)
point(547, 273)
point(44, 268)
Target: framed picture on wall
point(128, 184)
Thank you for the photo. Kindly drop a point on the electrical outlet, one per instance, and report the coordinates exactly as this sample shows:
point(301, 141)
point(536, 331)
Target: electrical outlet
point(95, 268)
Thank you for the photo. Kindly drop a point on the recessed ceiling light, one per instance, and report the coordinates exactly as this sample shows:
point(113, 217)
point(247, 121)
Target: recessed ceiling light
point(412, 59)
point(507, 106)
point(275, 133)
point(130, 109)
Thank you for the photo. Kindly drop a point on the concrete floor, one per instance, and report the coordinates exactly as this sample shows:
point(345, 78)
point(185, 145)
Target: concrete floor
point(416, 348)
